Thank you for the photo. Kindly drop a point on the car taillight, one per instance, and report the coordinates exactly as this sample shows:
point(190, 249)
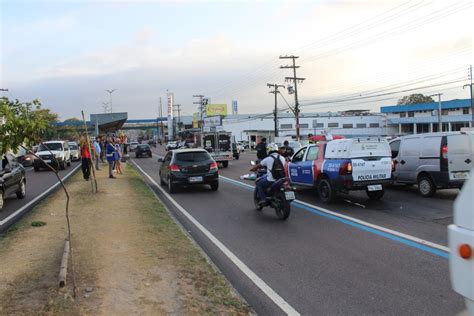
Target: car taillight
point(346, 168)
point(444, 152)
point(213, 166)
point(174, 168)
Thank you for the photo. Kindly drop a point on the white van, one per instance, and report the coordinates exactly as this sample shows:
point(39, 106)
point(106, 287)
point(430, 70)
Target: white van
point(461, 245)
point(433, 160)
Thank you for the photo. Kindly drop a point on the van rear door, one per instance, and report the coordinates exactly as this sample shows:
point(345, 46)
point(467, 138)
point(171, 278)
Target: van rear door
point(460, 155)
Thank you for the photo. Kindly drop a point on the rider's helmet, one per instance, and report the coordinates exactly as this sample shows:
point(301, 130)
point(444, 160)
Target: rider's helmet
point(273, 148)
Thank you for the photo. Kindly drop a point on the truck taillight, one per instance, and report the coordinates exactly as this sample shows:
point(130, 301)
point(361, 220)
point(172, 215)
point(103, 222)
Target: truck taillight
point(213, 166)
point(394, 165)
point(465, 251)
point(346, 168)
point(444, 152)
point(174, 168)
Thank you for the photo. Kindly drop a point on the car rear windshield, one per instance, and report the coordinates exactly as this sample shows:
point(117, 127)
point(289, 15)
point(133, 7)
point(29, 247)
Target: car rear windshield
point(50, 146)
point(143, 146)
point(193, 156)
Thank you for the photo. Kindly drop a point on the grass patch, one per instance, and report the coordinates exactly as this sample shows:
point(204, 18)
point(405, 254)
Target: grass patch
point(38, 223)
point(215, 295)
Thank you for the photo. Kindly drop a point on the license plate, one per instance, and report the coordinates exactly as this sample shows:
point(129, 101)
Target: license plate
point(460, 175)
point(289, 195)
point(195, 179)
point(376, 187)
point(47, 161)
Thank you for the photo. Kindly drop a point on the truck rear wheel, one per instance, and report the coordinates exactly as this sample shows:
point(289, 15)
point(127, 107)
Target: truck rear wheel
point(225, 164)
point(325, 191)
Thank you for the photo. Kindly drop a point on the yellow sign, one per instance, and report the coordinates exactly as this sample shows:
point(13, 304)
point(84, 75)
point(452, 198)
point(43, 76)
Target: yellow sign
point(216, 109)
point(195, 120)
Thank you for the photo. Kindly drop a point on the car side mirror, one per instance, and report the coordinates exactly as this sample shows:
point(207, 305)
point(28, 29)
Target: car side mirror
point(161, 159)
point(252, 162)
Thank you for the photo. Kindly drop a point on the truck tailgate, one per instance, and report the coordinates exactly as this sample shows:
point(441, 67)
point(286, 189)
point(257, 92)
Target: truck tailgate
point(371, 169)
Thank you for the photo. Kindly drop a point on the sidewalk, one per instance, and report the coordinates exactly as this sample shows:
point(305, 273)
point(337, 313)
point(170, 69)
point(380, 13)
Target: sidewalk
point(130, 257)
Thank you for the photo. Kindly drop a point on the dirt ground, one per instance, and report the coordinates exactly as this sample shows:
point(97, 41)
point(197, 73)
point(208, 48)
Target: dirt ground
point(130, 257)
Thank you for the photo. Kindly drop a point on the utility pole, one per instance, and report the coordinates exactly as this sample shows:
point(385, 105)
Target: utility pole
point(472, 102)
point(200, 96)
point(110, 96)
point(295, 80)
point(275, 112)
point(440, 123)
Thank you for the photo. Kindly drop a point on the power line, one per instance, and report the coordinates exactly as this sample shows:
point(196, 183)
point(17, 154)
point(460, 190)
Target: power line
point(275, 112)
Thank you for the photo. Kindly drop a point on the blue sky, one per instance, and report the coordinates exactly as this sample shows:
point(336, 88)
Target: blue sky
point(67, 52)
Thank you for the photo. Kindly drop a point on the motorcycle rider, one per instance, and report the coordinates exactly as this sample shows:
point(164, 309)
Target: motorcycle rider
point(266, 181)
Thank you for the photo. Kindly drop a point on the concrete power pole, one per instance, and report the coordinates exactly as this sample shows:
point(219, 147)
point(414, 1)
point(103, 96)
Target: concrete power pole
point(440, 122)
point(200, 96)
point(275, 112)
point(295, 80)
point(472, 101)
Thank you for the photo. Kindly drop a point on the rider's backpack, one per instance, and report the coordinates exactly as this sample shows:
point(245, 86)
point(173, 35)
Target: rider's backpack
point(278, 171)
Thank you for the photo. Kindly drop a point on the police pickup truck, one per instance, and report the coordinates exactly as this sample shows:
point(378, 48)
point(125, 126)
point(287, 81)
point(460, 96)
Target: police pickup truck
point(343, 165)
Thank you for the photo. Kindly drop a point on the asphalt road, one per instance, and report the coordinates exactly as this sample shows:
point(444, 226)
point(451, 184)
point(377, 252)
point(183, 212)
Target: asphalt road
point(36, 184)
point(320, 264)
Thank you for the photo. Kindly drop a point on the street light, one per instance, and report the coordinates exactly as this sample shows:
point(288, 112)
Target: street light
point(105, 106)
point(110, 94)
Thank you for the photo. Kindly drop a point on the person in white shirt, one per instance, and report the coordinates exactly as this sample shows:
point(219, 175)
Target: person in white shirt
point(263, 183)
point(97, 151)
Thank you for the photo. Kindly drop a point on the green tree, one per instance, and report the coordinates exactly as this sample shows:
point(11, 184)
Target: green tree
point(23, 124)
point(415, 99)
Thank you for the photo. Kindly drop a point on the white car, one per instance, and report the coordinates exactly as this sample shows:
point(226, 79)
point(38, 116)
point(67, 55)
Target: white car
point(75, 152)
point(461, 245)
point(172, 145)
point(133, 146)
point(55, 153)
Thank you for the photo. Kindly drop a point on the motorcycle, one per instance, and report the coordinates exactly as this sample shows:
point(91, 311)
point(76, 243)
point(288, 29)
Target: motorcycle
point(279, 195)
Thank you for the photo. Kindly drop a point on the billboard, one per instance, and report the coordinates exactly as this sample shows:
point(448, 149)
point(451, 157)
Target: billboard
point(170, 103)
point(216, 109)
point(212, 121)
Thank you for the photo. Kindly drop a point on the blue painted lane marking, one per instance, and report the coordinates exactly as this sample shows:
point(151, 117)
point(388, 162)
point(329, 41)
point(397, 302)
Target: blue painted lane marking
point(314, 210)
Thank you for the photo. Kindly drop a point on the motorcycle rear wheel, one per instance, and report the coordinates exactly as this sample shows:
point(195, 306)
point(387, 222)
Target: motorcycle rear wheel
point(258, 207)
point(283, 207)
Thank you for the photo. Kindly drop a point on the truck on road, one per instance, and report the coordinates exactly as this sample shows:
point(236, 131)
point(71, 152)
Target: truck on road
point(218, 144)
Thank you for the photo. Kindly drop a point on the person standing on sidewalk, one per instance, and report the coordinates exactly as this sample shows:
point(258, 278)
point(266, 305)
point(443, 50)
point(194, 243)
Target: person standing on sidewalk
point(110, 154)
point(97, 151)
point(118, 156)
point(102, 148)
point(85, 159)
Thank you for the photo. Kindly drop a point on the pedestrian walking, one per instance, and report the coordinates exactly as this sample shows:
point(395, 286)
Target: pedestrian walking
point(118, 156)
point(110, 155)
point(97, 151)
point(85, 158)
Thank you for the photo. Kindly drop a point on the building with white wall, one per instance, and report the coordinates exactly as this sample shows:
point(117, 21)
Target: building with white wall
point(423, 118)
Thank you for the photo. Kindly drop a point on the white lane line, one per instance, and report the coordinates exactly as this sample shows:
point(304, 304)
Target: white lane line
point(361, 222)
point(21, 209)
point(277, 299)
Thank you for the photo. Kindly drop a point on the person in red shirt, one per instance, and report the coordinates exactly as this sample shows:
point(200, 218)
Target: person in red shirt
point(86, 159)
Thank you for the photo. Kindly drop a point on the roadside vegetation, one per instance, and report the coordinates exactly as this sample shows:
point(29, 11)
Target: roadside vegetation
point(130, 257)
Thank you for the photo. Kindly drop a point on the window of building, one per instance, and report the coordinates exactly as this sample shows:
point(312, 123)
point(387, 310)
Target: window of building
point(403, 114)
point(465, 111)
point(333, 124)
point(318, 125)
point(361, 125)
point(286, 126)
point(304, 125)
point(444, 112)
point(374, 125)
point(347, 126)
point(411, 114)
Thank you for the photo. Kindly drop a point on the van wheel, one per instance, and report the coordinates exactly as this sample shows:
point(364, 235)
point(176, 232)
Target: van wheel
point(375, 195)
point(325, 191)
point(426, 186)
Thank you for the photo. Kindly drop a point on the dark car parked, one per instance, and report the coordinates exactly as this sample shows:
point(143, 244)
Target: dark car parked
point(183, 167)
point(12, 178)
point(143, 150)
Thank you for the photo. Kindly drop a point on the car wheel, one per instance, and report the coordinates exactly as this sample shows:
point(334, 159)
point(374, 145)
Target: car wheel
point(215, 186)
point(375, 195)
point(22, 192)
point(171, 186)
point(36, 168)
point(325, 191)
point(62, 165)
point(162, 182)
point(151, 155)
point(69, 163)
point(225, 164)
point(1, 200)
point(426, 186)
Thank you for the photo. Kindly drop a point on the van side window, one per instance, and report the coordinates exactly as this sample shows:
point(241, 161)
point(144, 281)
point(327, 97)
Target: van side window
point(394, 147)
